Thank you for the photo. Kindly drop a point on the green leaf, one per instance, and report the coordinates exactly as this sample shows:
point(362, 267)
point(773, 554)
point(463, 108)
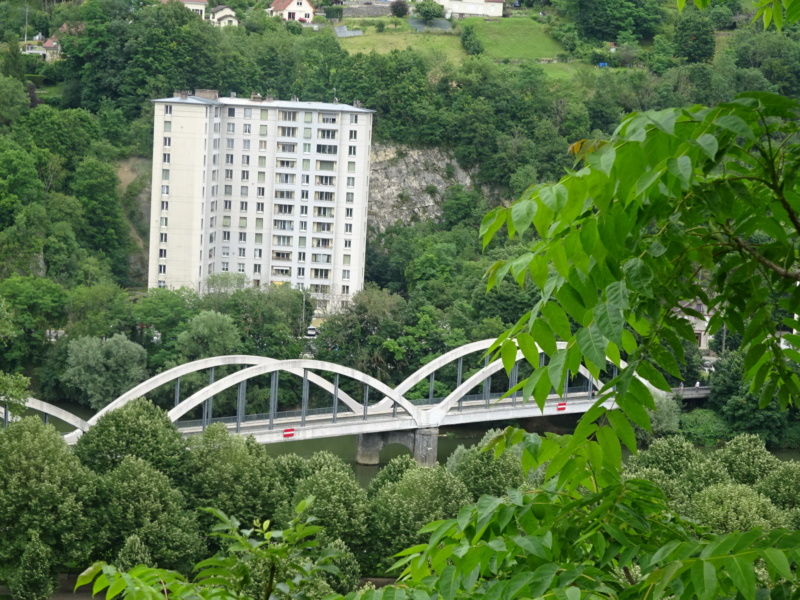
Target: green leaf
point(708, 144)
point(592, 344)
point(492, 223)
point(777, 560)
point(543, 335)
point(532, 545)
point(508, 354)
point(542, 579)
point(742, 575)
point(617, 295)
point(638, 275)
point(612, 451)
point(607, 157)
point(557, 320)
point(704, 577)
point(448, 582)
point(634, 410)
point(622, 427)
point(610, 322)
point(88, 575)
point(653, 375)
point(557, 370)
point(737, 125)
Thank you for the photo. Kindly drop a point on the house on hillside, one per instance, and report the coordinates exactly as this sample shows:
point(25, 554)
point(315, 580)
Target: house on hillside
point(292, 10)
point(196, 6)
point(223, 16)
point(52, 49)
point(472, 8)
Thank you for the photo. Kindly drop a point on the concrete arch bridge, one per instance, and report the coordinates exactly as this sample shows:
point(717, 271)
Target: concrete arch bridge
point(392, 419)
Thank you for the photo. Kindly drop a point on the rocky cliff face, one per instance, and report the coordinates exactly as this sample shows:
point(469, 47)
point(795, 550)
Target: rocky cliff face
point(406, 184)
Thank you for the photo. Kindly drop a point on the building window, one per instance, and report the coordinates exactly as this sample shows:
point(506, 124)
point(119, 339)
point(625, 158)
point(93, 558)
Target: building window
point(231, 112)
point(167, 126)
point(226, 251)
point(288, 115)
point(326, 180)
point(260, 205)
point(306, 164)
point(245, 160)
point(164, 221)
point(226, 236)
point(287, 131)
point(243, 206)
point(167, 109)
point(242, 236)
point(246, 145)
point(226, 221)
point(327, 149)
point(327, 118)
point(349, 197)
point(303, 194)
point(162, 283)
point(165, 190)
point(259, 238)
point(326, 134)
point(284, 178)
point(242, 252)
point(283, 163)
point(261, 192)
point(243, 190)
point(353, 134)
point(262, 130)
point(167, 142)
point(348, 213)
point(351, 182)
point(165, 158)
point(346, 274)
point(162, 269)
point(216, 127)
point(301, 271)
point(307, 133)
point(228, 174)
point(164, 205)
point(229, 159)
point(231, 128)
point(162, 237)
point(257, 253)
point(353, 119)
point(287, 147)
point(303, 225)
point(351, 167)
point(348, 228)
point(242, 221)
point(345, 289)
point(245, 175)
point(264, 114)
point(162, 253)
point(259, 223)
point(351, 150)
point(256, 268)
point(248, 113)
point(227, 204)
point(224, 267)
point(240, 267)
point(246, 128)
point(228, 189)
point(345, 259)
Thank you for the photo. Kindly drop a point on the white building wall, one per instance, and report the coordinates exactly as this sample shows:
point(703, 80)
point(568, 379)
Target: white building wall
point(210, 202)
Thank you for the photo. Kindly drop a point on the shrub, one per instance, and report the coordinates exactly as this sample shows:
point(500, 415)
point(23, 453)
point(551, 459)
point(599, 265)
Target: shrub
point(469, 40)
point(34, 578)
point(399, 8)
point(334, 12)
point(380, 26)
point(482, 473)
point(391, 473)
point(672, 455)
point(747, 459)
point(704, 427)
point(428, 10)
point(730, 507)
point(781, 485)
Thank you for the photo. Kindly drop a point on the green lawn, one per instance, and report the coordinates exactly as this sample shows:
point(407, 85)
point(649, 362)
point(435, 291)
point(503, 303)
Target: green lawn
point(448, 45)
point(514, 38)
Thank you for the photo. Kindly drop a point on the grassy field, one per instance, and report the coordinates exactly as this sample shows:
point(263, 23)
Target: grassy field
point(448, 45)
point(518, 38)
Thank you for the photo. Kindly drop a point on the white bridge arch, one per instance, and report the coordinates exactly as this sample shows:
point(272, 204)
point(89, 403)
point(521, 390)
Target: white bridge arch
point(393, 413)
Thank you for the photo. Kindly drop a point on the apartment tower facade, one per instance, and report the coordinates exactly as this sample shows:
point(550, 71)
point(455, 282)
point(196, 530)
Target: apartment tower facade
point(275, 190)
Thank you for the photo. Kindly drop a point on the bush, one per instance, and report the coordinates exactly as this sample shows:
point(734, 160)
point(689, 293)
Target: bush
point(730, 507)
point(391, 473)
point(469, 40)
point(665, 420)
point(334, 12)
point(704, 427)
point(428, 10)
point(747, 459)
point(34, 577)
point(781, 485)
point(399, 8)
point(294, 27)
point(482, 473)
point(672, 455)
point(380, 26)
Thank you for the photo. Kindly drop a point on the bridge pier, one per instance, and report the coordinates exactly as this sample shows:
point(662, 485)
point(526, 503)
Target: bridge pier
point(423, 444)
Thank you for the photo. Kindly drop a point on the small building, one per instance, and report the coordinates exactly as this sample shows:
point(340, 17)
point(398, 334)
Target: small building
point(198, 7)
point(472, 8)
point(223, 16)
point(52, 49)
point(292, 10)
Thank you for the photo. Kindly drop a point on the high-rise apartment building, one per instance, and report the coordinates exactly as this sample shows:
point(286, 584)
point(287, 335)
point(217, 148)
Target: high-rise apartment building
point(275, 190)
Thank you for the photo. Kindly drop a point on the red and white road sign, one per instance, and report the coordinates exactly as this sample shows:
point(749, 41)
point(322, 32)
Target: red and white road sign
point(287, 433)
point(561, 406)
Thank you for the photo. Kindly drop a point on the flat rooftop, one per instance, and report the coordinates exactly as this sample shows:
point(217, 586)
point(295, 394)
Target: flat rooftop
point(267, 102)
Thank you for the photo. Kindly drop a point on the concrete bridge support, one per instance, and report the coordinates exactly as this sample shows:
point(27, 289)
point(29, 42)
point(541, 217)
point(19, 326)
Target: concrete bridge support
point(423, 444)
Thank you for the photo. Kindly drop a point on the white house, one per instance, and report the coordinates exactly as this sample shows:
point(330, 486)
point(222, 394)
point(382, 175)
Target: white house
point(292, 10)
point(472, 8)
point(223, 16)
point(196, 6)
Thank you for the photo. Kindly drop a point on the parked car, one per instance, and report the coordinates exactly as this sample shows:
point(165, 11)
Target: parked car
point(311, 332)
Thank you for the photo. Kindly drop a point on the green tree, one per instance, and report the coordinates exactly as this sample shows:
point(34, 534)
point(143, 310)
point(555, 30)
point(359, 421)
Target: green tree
point(98, 310)
point(209, 333)
point(102, 369)
point(399, 8)
point(399, 510)
point(694, 38)
point(483, 474)
point(234, 474)
point(133, 553)
point(34, 578)
point(138, 429)
point(135, 498)
point(746, 459)
point(44, 491)
point(391, 473)
point(726, 508)
point(428, 10)
point(13, 100)
point(780, 483)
